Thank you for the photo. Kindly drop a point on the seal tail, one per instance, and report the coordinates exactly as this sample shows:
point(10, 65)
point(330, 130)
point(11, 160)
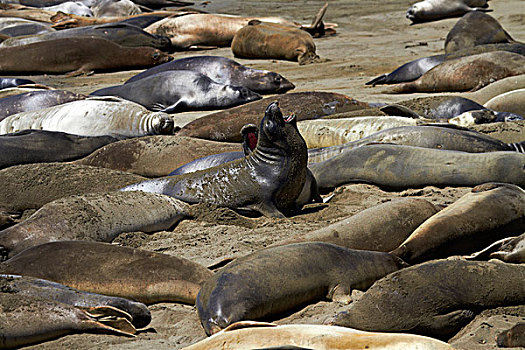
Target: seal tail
point(402, 88)
point(379, 80)
point(518, 146)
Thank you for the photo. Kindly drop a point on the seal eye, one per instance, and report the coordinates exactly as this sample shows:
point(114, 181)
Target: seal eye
point(156, 55)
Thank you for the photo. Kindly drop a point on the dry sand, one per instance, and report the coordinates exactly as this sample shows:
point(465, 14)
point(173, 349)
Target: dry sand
point(373, 38)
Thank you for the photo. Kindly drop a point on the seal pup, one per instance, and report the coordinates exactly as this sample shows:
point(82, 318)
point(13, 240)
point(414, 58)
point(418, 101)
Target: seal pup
point(366, 229)
point(108, 269)
point(35, 287)
point(154, 156)
point(514, 337)
point(398, 166)
point(225, 71)
point(436, 298)
point(95, 116)
point(251, 335)
point(511, 102)
point(475, 28)
point(271, 40)
point(227, 125)
point(433, 10)
point(98, 217)
point(40, 146)
point(76, 56)
point(115, 8)
point(30, 320)
point(13, 82)
point(30, 186)
point(179, 91)
point(466, 73)
point(489, 212)
point(30, 101)
point(268, 181)
point(275, 280)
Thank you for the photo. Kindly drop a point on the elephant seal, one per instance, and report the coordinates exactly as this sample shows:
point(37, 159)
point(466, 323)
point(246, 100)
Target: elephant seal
point(268, 181)
point(512, 102)
point(179, 91)
point(300, 273)
point(271, 40)
point(225, 71)
point(466, 73)
point(499, 87)
point(226, 125)
point(514, 337)
point(40, 146)
point(35, 287)
point(475, 28)
point(204, 29)
point(154, 156)
point(438, 136)
point(333, 132)
point(119, 33)
point(71, 7)
point(252, 335)
point(28, 320)
point(13, 82)
point(436, 298)
point(414, 69)
point(433, 10)
point(398, 166)
point(115, 8)
point(98, 217)
point(77, 56)
point(30, 186)
point(108, 269)
point(489, 212)
point(25, 29)
point(92, 117)
point(35, 100)
point(511, 250)
point(366, 229)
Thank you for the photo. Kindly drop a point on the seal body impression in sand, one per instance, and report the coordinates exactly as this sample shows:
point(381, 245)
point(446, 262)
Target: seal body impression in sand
point(269, 40)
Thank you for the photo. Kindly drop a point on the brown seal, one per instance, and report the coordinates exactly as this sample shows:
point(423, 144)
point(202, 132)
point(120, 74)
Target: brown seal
point(511, 338)
point(270, 40)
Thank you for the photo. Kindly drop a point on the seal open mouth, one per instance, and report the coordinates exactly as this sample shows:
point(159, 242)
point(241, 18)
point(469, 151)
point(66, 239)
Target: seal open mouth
point(289, 118)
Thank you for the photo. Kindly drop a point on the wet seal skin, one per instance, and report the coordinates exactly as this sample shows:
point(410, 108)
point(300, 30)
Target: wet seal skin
point(267, 181)
point(280, 279)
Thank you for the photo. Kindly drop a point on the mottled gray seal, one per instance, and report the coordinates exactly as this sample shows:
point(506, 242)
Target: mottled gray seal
point(35, 287)
point(280, 279)
point(475, 28)
point(95, 116)
point(40, 146)
point(227, 125)
point(154, 156)
point(489, 212)
point(252, 335)
point(433, 10)
point(77, 56)
point(268, 181)
point(436, 298)
point(30, 186)
point(98, 217)
point(466, 73)
point(398, 166)
point(271, 40)
point(30, 320)
point(109, 269)
point(225, 71)
point(181, 90)
point(13, 82)
point(366, 229)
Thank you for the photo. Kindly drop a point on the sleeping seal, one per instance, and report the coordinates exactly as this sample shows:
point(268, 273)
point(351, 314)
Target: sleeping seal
point(512, 102)
point(268, 181)
point(433, 10)
point(13, 82)
point(115, 8)
point(511, 250)
point(279, 279)
point(179, 91)
point(225, 71)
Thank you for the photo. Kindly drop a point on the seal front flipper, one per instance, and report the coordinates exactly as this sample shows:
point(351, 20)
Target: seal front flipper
point(270, 210)
point(444, 325)
point(395, 109)
point(340, 294)
point(174, 107)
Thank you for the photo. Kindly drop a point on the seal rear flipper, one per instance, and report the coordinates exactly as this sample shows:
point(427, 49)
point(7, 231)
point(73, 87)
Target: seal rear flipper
point(446, 325)
point(269, 210)
point(103, 312)
point(492, 251)
point(379, 80)
point(119, 326)
point(340, 294)
point(80, 71)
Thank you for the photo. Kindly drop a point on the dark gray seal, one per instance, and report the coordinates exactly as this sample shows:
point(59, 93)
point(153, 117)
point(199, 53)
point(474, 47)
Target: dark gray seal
point(26, 29)
point(13, 82)
point(41, 146)
point(398, 166)
point(35, 287)
point(178, 91)
point(225, 71)
point(436, 298)
point(475, 28)
point(268, 181)
point(279, 279)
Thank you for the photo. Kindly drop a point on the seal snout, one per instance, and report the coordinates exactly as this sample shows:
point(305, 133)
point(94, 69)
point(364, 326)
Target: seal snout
point(165, 126)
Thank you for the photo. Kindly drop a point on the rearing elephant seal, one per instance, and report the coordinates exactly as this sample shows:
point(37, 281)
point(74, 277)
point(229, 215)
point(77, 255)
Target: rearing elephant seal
point(269, 180)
